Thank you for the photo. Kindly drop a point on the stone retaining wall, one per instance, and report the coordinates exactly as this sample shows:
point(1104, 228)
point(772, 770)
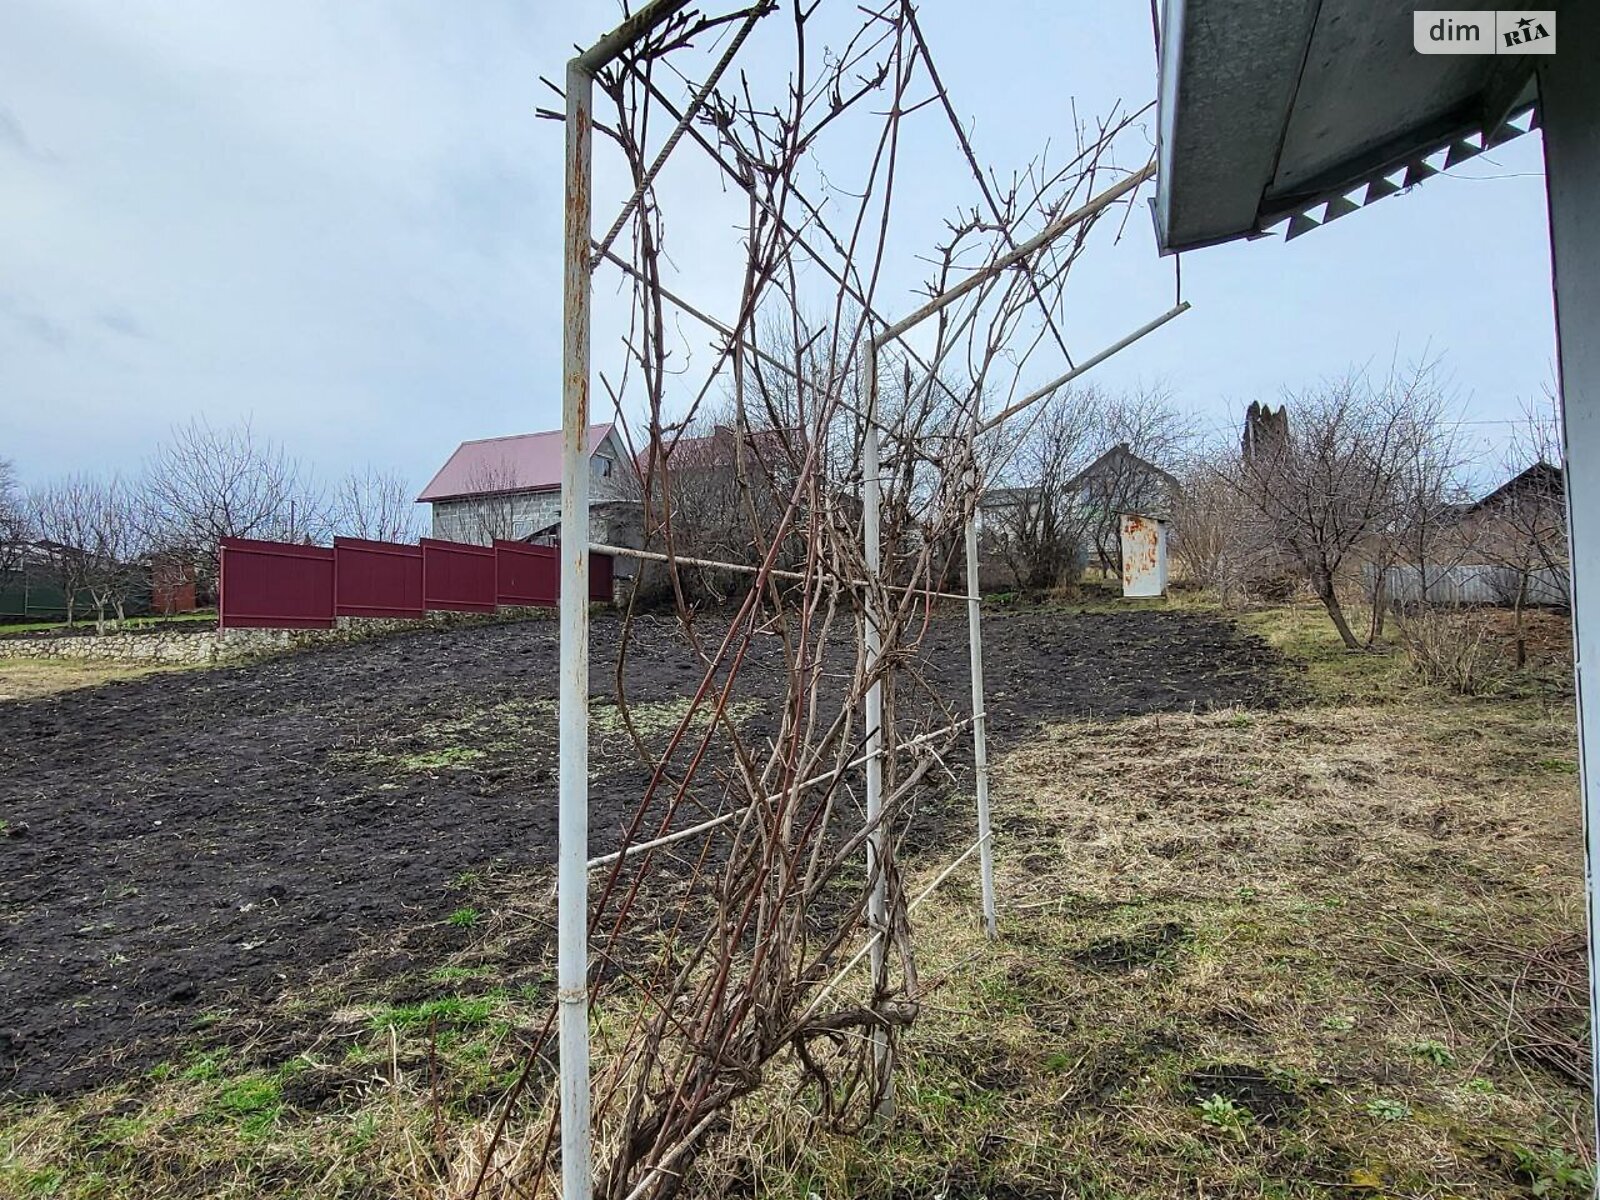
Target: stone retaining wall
point(235, 645)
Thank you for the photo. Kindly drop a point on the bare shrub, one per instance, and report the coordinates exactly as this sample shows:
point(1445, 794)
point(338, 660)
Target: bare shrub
point(877, 460)
point(1217, 536)
point(1341, 485)
point(1457, 651)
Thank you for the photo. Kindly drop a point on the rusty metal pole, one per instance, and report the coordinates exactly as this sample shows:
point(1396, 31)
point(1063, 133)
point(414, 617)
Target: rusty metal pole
point(572, 874)
point(980, 719)
point(871, 536)
point(572, 854)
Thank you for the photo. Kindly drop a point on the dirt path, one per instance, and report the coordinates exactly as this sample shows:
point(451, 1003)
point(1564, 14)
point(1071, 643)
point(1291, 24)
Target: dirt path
point(181, 843)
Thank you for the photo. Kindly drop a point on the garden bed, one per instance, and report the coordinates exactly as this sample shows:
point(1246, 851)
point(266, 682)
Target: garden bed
point(195, 844)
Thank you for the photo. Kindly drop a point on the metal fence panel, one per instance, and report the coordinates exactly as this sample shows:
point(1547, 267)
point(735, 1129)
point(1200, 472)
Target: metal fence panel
point(601, 568)
point(457, 577)
point(376, 579)
point(274, 585)
point(1472, 583)
point(526, 574)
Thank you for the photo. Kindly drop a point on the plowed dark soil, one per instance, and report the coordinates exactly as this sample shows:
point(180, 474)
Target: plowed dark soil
point(195, 841)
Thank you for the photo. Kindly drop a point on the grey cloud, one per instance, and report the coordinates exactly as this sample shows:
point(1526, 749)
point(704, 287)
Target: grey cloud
point(15, 138)
point(118, 321)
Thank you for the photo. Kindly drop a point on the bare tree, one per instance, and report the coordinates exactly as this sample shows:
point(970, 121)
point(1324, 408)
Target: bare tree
point(1521, 527)
point(205, 483)
point(88, 534)
point(489, 511)
point(61, 514)
point(1088, 457)
point(374, 504)
point(1335, 483)
point(1032, 521)
point(116, 573)
point(15, 531)
point(1428, 495)
point(1136, 431)
point(713, 473)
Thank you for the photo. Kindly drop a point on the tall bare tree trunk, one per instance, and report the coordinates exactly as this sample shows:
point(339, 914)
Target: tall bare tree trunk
point(1330, 601)
point(1380, 603)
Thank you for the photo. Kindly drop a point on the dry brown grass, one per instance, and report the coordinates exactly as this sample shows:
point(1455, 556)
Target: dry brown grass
point(1326, 952)
point(31, 678)
point(1314, 915)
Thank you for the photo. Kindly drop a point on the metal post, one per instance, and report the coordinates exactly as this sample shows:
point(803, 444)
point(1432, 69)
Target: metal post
point(1087, 364)
point(871, 535)
point(572, 874)
point(1569, 92)
point(572, 855)
point(980, 722)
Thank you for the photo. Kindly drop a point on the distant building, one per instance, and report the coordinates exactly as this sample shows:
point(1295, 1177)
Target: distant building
point(1509, 547)
point(766, 453)
point(510, 487)
point(1118, 482)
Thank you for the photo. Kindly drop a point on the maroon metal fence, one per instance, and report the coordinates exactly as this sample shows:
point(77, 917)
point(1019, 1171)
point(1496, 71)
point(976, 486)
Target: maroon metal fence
point(601, 582)
point(526, 575)
point(274, 585)
point(457, 577)
point(376, 579)
point(281, 585)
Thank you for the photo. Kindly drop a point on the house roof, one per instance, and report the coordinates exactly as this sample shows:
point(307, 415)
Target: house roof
point(1113, 458)
point(717, 449)
point(1269, 109)
point(524, 462)
point(1544, 479)
point(1007, 497)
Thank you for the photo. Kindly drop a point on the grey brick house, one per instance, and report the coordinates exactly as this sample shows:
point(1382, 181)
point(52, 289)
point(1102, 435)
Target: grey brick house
point(510, 487)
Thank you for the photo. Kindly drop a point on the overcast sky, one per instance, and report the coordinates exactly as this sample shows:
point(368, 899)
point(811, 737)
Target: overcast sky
point(342, 220)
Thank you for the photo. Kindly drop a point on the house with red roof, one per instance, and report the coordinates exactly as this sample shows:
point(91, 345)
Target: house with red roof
point(510, 487)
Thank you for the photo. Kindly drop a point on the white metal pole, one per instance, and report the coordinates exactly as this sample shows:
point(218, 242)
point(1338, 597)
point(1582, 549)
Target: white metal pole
point(980, 722)
point(1028, 248)
point(1569, 98)
point(871, 504)
point(1087, 364)
point(572, 873)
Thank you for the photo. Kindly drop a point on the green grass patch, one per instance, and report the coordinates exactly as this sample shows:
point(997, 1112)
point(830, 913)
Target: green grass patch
point(1334, 673)
point(253, 1102)
point(128, 623)
point(450, 1011)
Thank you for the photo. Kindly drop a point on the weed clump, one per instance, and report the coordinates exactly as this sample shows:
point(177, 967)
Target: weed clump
point(1454, 651)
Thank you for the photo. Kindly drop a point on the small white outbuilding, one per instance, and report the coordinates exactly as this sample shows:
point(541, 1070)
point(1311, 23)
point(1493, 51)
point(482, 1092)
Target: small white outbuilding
point(1144, 557)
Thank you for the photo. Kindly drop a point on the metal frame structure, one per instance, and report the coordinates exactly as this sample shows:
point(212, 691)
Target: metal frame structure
point(581, 256)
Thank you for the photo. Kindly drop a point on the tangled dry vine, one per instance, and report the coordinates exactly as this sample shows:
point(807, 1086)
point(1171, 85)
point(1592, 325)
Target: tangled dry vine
point(753, 881)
